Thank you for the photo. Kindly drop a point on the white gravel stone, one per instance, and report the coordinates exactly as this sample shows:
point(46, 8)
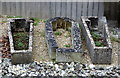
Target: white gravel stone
point(51, 69)
point(91, 66)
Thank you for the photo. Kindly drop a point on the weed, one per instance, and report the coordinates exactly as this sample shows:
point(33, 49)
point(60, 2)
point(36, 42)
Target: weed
point(99, 44)
point(57, 33)
point(97, 38)
point(114, 32)
point(14, 16)
point(20, 44)
point(44, 20)
point(37, 21)
point(19, 34)
point(67, 45)
point(21, 40)
point(95, 35)
point(115, 39)
point(3, 22)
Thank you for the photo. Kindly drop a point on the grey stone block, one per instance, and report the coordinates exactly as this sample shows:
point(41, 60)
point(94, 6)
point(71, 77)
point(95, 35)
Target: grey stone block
point(99, 55)
point(20, 56)
point(68, 55)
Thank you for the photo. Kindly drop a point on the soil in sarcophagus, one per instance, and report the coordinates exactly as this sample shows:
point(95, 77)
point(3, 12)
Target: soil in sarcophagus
point(96, 32)
point(98, 39)
point(62, 32)
point(21, 40)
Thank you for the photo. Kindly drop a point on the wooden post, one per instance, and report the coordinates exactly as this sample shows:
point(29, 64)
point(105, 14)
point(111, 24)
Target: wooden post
point(0, 8)
point(119, 14)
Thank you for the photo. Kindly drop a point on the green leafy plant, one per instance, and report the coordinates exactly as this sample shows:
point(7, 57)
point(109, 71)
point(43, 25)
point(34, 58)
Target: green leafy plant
point(37, 21)
point(44, 20)
point(67, 45)
point(20, 34)
point(57, 33)
point(20, 44)
point(98, 40)
point(21, 40)
point(99, 44)
point(14, 16)
point(4, 21)
point(114, 32)
point(95, 35)
point(115, 39)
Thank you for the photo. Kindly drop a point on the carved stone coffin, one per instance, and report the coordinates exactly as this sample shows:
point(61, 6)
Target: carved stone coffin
point(63, 54)
point(101, 54)
point(25, 26)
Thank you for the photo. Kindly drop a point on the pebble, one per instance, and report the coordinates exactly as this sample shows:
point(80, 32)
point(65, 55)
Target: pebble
point(58, 69)
point(91, 66)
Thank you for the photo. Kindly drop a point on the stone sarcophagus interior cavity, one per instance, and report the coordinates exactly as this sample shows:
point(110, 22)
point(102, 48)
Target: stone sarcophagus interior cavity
point(20, 37)
point(63, 54)
point(97, 37)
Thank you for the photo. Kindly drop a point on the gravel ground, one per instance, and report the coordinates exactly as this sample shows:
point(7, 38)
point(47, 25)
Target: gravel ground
point(57, 69)
point(3, 27)
point(39, 44)
point(63, 39)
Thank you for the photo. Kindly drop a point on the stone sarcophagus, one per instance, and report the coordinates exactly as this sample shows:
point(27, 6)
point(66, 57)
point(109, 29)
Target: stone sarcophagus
point(63, 54)
point(95, 31)
point(20, 33)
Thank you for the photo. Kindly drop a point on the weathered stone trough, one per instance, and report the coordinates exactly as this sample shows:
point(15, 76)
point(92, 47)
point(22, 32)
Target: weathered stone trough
point(21, 53)
point(63, 54)
point(100, 54)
